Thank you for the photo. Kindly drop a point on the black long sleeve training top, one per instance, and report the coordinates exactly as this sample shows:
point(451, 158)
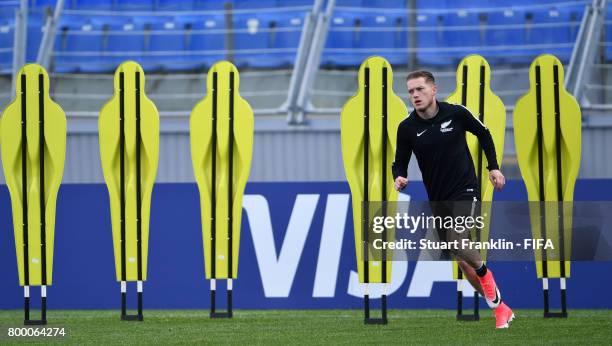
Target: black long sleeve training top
point(442, 152)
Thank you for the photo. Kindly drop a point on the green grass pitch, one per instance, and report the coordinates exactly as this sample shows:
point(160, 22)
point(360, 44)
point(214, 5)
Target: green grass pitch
point(314, 327)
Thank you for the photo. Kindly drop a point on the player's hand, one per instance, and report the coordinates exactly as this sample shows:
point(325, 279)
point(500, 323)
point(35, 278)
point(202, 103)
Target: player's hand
point(497, 178)
point(400, 183)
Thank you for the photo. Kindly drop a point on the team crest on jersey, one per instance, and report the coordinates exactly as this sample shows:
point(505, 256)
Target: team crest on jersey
point(444, 126)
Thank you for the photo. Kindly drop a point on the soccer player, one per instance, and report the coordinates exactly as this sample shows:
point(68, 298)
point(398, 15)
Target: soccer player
point(435, 132)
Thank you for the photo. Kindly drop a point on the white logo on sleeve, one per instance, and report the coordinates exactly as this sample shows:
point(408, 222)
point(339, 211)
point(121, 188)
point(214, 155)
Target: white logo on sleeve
point(444, 126)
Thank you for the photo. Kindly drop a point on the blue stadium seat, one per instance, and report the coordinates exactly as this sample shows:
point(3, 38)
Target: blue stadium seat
point(240, 4)
point(575, 16)
point(35, 34)
point(430, 5)
point(211, 4)
point(8, 12)
point(7, 37)
point(386, 39)
point(89, 4)
point(102, 20)
point(608, 36)
point(150, 60)
point(430, 38)
point(558, 33)
point(401, 36)
point(349, 3)
point(137, 5)
point(294, 3)
point(172, 5)
point(205, 39)
point(123, 41)
point(168, 36)
point(384, 3)
point(287, 35)
point(253, 32)
point(509, 36)
point(7, 34)
point(343, 34)
point(64, 36)
point(44, 3)
point(462, 34)
point(468, 4)
point(80, 38)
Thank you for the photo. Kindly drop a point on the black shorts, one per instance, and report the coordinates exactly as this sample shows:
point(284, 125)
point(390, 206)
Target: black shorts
point(462, 206)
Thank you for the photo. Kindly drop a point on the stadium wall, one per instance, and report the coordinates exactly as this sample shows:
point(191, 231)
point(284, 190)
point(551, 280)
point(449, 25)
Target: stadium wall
point(297, 252)
point(290, 154)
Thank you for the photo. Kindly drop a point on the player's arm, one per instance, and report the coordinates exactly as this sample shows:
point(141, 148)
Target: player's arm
point(476, 127)
point(403, 151)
